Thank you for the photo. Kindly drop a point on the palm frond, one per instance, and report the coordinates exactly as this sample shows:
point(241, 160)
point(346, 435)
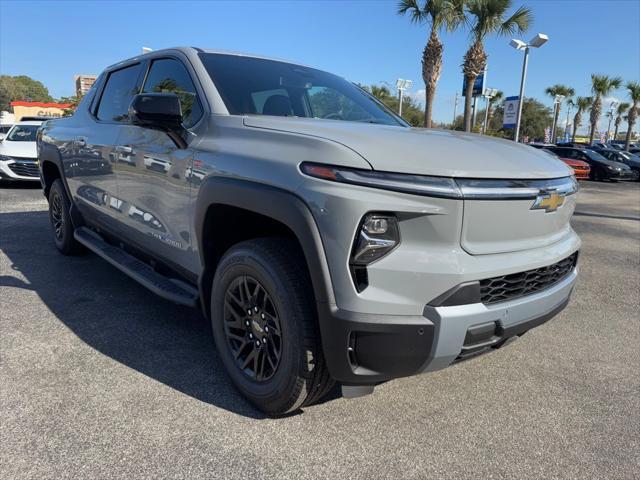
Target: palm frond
point(517, 23)
point(413, 8)
point(634, 91)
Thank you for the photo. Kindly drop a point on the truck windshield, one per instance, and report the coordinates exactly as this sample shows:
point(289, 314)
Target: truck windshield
point(23, 133)
point(255, 86)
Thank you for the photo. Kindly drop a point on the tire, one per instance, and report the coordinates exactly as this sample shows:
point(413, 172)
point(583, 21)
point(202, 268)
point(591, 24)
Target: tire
point(61, 226)
point(275, 269)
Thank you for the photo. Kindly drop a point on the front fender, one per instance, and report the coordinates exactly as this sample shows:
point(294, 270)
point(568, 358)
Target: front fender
point(276, 203)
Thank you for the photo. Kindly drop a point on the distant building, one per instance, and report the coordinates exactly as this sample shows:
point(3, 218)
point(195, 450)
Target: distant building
point(38, 109)
point(83, 83)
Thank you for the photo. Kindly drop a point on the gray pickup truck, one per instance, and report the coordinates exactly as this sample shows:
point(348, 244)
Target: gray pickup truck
point(326, 239)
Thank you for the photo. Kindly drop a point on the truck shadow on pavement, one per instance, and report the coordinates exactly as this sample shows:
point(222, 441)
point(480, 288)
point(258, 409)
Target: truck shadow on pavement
point(116, 316)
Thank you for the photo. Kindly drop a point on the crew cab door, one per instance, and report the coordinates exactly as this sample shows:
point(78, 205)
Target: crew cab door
point(87, 154)
point(154, 173)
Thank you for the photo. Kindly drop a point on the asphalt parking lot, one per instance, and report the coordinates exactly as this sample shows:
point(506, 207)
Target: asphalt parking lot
point(101, 379)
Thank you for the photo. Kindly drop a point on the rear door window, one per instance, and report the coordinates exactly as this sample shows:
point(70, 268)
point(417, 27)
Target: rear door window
point(121, 87)
point(169, 75)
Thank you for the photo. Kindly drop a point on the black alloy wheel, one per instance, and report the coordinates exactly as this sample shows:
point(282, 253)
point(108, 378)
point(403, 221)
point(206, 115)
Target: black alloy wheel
point(57, 216)
point(252, 328)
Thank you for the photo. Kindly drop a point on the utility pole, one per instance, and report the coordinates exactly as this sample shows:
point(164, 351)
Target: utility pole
point(455, 108)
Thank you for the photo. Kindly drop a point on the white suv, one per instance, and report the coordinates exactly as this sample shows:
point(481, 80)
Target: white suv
point(18, 154)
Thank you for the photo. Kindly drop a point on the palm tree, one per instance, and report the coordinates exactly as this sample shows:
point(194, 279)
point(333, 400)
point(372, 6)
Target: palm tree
point(634, 93)
point(436, 14)
point(495, 99)
point(567, 93)
point(488, 18)
point(601, 86)
point(621, 110)
point(582, 104)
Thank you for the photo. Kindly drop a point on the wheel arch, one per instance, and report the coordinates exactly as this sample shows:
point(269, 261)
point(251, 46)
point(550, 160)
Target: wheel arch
point(272, 211)
point(50, 167)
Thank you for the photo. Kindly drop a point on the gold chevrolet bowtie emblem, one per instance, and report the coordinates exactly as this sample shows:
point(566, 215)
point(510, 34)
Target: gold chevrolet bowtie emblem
point(548, 201)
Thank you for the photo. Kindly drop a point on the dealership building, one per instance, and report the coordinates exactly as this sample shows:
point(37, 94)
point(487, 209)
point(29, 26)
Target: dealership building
point(38, 109)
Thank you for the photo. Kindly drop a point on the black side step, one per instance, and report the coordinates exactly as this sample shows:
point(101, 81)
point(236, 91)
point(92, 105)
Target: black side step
point(173, 290)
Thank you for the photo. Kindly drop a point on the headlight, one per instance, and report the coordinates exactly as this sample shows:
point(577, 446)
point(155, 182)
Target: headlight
point(5, 157)
point(377, 235)
point(397, 182)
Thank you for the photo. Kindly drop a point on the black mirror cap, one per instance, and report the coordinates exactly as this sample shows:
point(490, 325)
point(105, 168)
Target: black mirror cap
point(156, 110)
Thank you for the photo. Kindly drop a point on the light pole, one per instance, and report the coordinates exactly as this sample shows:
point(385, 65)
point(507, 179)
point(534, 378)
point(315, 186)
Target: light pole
point(566, 125)
point(536, 42)
point(557, 101)
point(402, 85)
point(488, 94)
point(455, 108)
point(612, 107)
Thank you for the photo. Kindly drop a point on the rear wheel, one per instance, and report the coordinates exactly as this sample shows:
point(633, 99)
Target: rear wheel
point(61, 226)
point(265, 327)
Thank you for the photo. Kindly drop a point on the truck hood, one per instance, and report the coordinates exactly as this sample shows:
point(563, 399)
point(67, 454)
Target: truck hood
point(425, 151)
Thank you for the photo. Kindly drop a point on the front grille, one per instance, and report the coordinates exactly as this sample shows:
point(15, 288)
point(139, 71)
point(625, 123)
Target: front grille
point(25, 169)
point(516, 285)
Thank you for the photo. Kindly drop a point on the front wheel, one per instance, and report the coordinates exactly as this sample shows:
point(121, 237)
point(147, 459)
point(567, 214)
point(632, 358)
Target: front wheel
point(265, 327)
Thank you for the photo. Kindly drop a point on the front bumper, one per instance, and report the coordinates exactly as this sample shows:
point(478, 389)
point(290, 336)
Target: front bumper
point(19, 170)
point(621, 175)
point(363, 349)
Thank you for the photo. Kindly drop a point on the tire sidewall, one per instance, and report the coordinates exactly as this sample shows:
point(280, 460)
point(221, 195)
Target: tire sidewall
point(245, 261)
point(64, 244)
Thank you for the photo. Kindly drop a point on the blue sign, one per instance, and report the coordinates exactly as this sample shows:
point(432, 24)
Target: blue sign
point(510, 116)
point(478, 86)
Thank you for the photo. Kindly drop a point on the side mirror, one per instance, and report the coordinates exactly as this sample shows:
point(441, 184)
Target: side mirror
point(161, 111)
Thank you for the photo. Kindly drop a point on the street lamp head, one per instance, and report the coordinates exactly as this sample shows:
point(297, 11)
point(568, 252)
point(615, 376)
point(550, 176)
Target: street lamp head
point(518, 44)
point(539, 40)
point(407, 84)
point(400, 83)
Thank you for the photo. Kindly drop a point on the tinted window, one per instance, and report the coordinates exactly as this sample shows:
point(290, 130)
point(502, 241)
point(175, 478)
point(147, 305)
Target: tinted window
point(593, 155)
point(23, 133)
point(117, 94)
point(170, 76)
point(294, 90)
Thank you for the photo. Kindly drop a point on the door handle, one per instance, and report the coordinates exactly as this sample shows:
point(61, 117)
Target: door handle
point(80, 142)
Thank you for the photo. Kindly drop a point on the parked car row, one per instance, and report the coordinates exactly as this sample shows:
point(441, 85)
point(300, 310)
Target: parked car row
point(598, 162)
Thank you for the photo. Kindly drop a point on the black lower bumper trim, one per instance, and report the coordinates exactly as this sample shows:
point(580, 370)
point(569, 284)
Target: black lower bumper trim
point(363, 349)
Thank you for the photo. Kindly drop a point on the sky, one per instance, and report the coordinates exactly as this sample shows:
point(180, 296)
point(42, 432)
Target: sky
point(364, 41)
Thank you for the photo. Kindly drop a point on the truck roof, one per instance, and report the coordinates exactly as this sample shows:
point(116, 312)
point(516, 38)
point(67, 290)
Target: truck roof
point(208, 50)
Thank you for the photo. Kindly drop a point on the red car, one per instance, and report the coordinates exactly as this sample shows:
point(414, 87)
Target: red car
point(580, 169)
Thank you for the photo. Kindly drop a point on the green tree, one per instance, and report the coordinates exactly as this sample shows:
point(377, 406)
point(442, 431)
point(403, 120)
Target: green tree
point(620, 111)
point(487, 17)
point(22, 88)
point(582, 105)
point(411, 110)
point(566, 92)
point(601, 86)
point(74, 101)
point(436, 14)
point(634, 93)
point(535, 118)
point(495, 100)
